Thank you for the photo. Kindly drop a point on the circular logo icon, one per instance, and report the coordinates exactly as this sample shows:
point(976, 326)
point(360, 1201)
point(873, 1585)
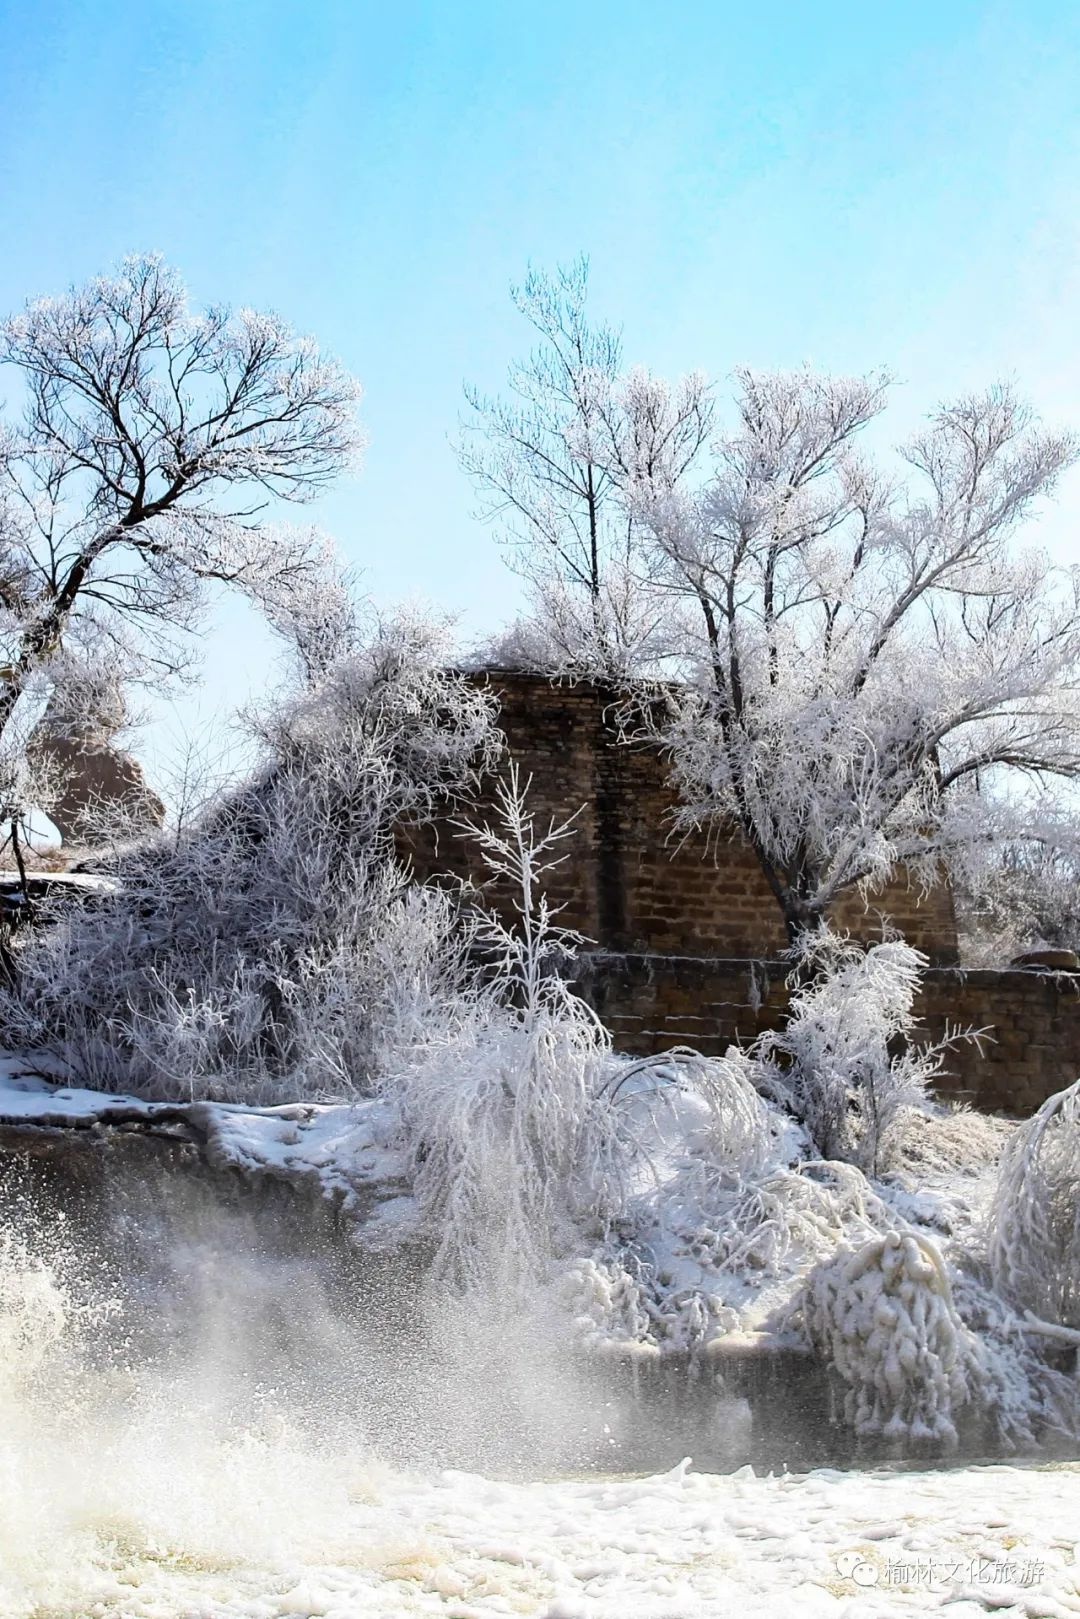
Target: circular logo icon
point(854, 1566)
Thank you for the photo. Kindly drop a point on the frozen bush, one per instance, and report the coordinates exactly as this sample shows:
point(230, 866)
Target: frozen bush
point(275, 947)
point(845, 1063)
point(883, 1316)
point(701, 1254)
point(922, 1344)
point(1034, 1228)
point(505, 1117)
point(1024, 1392)
point(1018, 898)
point(526, 1132)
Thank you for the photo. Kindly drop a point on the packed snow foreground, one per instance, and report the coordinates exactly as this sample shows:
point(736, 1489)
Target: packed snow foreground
point(265, 1531)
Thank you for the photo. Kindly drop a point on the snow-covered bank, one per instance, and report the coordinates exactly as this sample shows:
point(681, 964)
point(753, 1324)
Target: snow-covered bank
point(340, 1150)
point(352, 1154)
point(697, 1307)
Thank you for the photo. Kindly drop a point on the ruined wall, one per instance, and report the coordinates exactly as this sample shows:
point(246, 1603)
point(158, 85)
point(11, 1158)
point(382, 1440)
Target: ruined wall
point(626, 884)
point(1031, 1050)
point(684, 937)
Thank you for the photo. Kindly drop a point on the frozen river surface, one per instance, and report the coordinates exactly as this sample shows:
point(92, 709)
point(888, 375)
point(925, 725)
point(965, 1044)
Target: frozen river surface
point(274, 1534)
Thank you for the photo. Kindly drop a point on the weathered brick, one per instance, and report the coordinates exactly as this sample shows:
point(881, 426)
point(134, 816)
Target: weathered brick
point(628, 882)
point(681, 927)
point(1014, 1072)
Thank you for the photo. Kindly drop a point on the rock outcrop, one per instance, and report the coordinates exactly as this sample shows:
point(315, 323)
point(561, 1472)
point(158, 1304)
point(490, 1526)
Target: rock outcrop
point(95, 779)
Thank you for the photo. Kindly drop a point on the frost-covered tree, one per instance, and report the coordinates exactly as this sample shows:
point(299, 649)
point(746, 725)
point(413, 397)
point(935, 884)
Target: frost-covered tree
point(871, 661)
point(549, 459)
point(1024, 897)
point(151, 442)
point(274, 947)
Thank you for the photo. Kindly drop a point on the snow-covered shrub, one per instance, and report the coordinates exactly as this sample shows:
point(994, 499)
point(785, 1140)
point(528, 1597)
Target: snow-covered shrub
point(921, 1341)
point(699, 1255)
point(693, 1135)
point(527, 1134)
point(845, 1062)
point(948, 1139)
point(275, 947)
point(883, 1316)
point(706, 1109)
point(1026, 1395)
point(510, 1140)
point(507, 1115)
point(1034, 1228)
point(611, 1303)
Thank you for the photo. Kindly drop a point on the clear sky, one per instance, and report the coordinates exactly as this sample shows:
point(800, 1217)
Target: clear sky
point(853, 185)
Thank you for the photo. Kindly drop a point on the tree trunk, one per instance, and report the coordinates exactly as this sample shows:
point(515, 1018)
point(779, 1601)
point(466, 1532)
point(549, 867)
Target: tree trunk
point(11, 689)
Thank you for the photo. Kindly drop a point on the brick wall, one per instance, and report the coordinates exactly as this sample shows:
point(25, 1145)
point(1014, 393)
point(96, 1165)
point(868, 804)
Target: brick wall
point(683, 934)
point(1033, 1018)
point(626, 883)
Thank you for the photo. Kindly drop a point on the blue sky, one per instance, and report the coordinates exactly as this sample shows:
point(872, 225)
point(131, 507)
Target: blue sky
point(853, 185)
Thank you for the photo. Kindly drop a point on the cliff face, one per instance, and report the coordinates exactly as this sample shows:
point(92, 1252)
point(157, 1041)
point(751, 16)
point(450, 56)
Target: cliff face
point(627, 884)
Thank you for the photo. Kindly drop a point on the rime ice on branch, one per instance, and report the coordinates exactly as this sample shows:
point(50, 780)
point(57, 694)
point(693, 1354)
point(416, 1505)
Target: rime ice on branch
point(870, 660)
point(152, 442)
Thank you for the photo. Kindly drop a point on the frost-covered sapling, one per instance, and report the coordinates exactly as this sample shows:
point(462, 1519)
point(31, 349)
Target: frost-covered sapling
point(846, 1061)
point(512, 1135)
point(549, 460)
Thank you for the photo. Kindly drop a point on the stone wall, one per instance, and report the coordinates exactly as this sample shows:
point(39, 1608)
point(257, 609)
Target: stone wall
point(1031, 1048)
point(627, 884)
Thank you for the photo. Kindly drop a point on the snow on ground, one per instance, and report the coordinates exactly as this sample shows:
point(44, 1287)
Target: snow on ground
point(86, 882)
point(677, 1546)
point(947, 1172)
point(28, 1096)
